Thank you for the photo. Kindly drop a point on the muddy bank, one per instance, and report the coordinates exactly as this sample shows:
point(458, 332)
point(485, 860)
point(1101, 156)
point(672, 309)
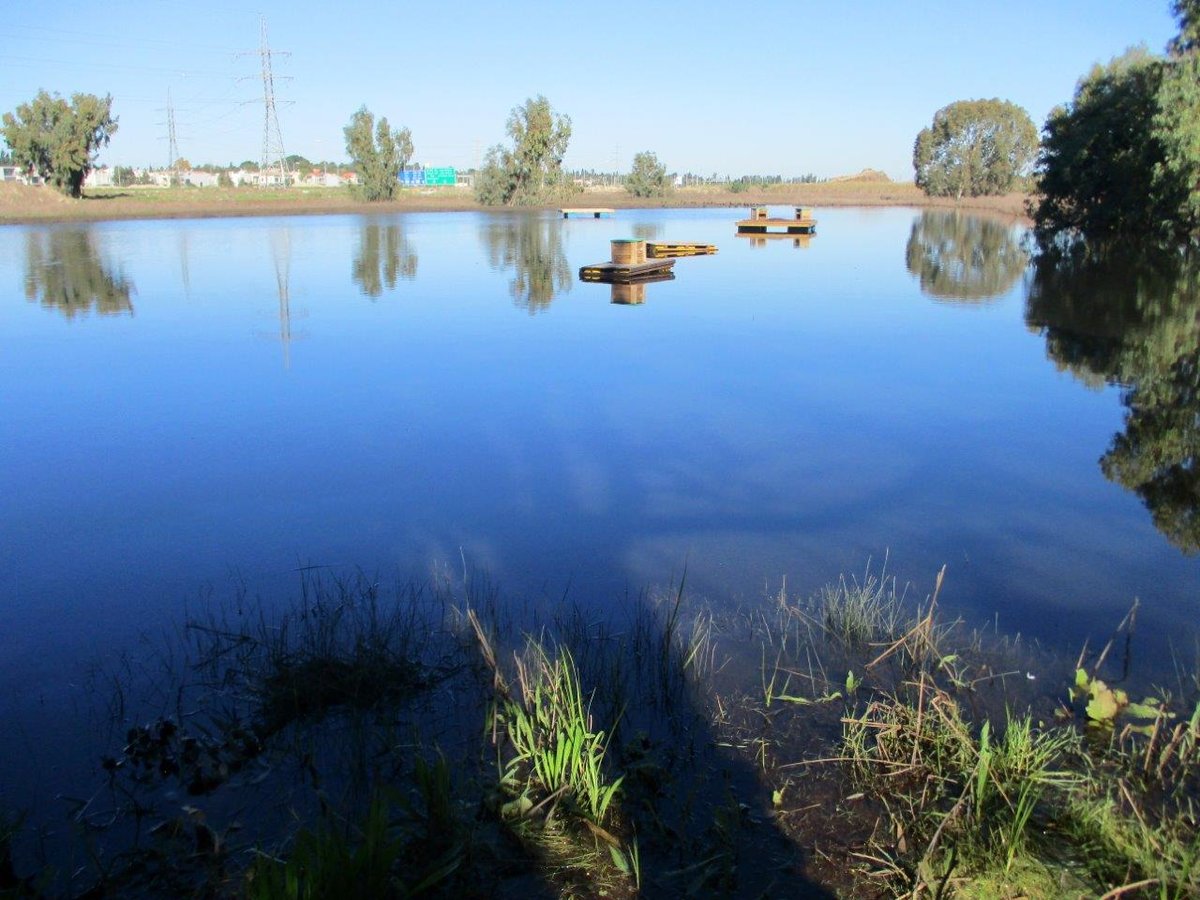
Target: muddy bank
point(20, 204)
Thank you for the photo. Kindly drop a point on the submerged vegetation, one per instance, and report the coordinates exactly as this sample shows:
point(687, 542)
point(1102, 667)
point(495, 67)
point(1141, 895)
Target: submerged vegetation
point(435, 741)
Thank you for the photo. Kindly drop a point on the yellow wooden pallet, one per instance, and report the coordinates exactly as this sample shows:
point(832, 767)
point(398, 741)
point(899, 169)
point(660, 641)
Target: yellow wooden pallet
point(660, 250)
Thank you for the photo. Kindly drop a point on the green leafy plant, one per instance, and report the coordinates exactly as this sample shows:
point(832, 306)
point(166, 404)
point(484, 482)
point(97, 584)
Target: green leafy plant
point(1105, 704)
point(557, 754)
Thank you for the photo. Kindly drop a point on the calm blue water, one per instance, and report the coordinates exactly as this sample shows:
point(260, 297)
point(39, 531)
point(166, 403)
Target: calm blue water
point(186, 402)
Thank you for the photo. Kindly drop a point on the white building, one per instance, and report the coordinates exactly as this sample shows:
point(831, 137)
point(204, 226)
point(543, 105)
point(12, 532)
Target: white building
point(101, 177)
point(17, 174)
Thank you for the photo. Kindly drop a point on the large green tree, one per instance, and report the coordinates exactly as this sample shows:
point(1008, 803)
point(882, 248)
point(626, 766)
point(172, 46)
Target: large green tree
point(974, 147)
point(648, 178)
point(1099, 154)
point(1177, 123)
point(530, 170)
point(378, 154)
point(59, 140)
point(1122, 160)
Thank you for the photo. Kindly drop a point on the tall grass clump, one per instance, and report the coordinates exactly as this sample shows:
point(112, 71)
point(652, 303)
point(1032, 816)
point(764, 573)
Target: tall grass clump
point(1099, 800)
point(557, 754)
point(859, 613)
point(1136, 816)
point(556, 793)
point(962, 804)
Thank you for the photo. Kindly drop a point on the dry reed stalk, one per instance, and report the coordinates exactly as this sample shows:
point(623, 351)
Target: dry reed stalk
point(923, 626)
point(920, 719)
point(1130, 619)
point(1126, 888)
point(1169, 751)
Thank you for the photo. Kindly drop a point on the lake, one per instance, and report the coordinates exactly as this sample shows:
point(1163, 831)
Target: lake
point(190, 406)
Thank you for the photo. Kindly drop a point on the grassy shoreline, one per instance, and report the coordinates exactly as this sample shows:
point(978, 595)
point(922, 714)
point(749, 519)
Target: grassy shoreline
point(21, 205)
point(448, 741)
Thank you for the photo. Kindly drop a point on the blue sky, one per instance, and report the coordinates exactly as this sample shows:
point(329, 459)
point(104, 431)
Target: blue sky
point(769, 88)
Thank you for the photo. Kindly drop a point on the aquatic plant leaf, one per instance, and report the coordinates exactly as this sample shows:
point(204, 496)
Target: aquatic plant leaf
point(805, 701)
point(1103, 706)
point(516, 809)
point(619, 860)
point(1147, 709)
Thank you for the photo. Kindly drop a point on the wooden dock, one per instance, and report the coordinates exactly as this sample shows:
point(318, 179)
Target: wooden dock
point(776, 226)
point(662, 250)
point(627, 273)
point(586, 212)
point(761, 223)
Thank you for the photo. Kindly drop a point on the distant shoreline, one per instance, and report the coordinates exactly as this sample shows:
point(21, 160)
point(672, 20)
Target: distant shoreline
point(23, 205)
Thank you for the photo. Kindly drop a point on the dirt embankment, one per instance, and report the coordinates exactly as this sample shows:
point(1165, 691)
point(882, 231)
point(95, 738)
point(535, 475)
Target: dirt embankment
point(23, 204)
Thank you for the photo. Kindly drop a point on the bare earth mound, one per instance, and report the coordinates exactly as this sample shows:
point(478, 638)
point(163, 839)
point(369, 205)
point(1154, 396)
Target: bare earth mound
point(870, 175)
point(17, 198)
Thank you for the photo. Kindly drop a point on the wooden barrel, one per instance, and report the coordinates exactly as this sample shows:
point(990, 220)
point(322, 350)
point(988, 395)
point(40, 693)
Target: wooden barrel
point(628, 252)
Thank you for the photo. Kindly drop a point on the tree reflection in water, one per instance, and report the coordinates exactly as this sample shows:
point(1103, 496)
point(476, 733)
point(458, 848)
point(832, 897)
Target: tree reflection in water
point(384, 257)
point(1132, 318)
point(964, 258)
point(532, 247)
point(64, 271)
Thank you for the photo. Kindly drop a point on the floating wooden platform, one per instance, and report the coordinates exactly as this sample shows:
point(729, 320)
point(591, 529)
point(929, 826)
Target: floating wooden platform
point(627, 272)
point(776, 226)
point(662, 250)
point(760, 222)
point(589, 212)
